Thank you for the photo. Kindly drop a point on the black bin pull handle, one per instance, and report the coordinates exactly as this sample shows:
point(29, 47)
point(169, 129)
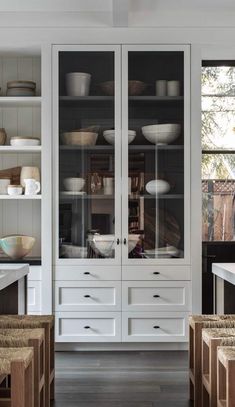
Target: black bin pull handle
point(156, 327)
point(156, 296)
point(156, 273)
point(86, 273)
point(86, 327)
point(86, 296)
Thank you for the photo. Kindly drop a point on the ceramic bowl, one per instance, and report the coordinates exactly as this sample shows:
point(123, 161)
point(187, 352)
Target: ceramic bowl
point(24, 141)
point(14, 190)
point(17, 246)
point(20, 92)
point(135, 88)
point(79, 138)
point(74, 184)
point(132, 242)
point(109, 136)
point(157, 186)
point(73, 252)
point(78, 83)
point(161, 133)
point(103, 244)
point(21, 84)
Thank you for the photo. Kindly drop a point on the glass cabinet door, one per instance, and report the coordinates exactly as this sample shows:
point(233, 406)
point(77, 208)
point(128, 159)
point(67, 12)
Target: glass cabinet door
point(88, 132)
point(155, 133)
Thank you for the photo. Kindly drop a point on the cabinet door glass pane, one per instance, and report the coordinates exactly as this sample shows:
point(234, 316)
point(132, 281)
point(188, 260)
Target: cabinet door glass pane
point(156, 154)
point(86, 154)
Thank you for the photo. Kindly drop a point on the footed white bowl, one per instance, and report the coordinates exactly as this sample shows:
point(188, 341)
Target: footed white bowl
point(109, 136)
point(74, 184)
point(161, 133)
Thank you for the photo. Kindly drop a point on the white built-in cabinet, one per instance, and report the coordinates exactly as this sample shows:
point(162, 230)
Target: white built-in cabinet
point(111, 281)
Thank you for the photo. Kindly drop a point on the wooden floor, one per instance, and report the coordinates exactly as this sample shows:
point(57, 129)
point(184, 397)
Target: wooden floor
point(121, 379)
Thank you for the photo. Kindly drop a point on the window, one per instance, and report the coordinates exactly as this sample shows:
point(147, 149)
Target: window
point(218, 150)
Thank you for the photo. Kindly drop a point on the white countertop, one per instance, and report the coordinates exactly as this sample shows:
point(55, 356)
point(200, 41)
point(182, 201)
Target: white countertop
point(226, 271)
point(9, 273)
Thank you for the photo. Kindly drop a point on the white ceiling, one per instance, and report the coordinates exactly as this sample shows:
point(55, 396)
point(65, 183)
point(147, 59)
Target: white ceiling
point(102, 13)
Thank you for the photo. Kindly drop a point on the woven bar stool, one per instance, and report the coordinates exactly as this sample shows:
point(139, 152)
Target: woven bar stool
point(226, 376)
point(35, 338)
point(37, 321)
point(196, 324)
point(18, 363)
point(211, 339)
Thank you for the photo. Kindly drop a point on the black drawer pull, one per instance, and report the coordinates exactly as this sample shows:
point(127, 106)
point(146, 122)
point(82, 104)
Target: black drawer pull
point(86, 273)
point(156, 272)
point(156, 296)
point(156, 327)
point(86, 296)
point(86, 327)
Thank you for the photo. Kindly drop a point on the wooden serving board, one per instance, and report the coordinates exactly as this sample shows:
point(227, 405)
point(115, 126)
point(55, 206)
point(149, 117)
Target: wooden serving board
point(12, 173)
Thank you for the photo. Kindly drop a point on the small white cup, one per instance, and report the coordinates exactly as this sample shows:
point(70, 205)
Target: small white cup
point(161, 87)
point(173, 88)
point(14, 190)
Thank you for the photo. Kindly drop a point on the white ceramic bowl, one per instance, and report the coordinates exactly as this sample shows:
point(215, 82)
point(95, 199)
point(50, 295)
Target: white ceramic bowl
point(78, 83)
point(109, 136)
point(103, 244)
point(74, 184)
point(14, 190)
point(132, 242)
point(161, 133)
point(79, 138)
point(157, 186)
point(73, 252)
point(24, 142)
point(4, 182)
point(17, 246)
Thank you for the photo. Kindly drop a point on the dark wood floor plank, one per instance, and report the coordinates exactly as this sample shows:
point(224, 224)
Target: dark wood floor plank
point(122, 379)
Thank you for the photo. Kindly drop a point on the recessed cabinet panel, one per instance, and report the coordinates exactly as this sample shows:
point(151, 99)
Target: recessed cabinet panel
point(158, 296)
point(156, 273)
point(91, 327)
point(154, 327)
point(34, 296)
point(100, 296)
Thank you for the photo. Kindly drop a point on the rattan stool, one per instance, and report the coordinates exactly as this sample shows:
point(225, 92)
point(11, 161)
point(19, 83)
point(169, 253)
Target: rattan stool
point(18, 363)
point(34, 338)
point(196, 324)
point(211, 339)
point(37, 321)
point(226, 377)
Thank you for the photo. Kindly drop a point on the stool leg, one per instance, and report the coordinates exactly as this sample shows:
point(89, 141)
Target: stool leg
point(230, 384)
point(21, 385)
point(34, 343)
point(52, 364)
point(197, 366)
point(47, 364)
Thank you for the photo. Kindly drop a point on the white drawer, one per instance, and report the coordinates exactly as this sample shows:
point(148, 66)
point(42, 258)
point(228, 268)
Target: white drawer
point(88, 326)
point(92, 296)
point(155, 296)
point(156, 273)
point(154, 327)
point(87, 273)
point(34, 296)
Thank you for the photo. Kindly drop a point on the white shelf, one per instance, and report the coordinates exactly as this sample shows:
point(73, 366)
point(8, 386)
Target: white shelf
point(20, 197)
point(28, 149)
point(20, 101)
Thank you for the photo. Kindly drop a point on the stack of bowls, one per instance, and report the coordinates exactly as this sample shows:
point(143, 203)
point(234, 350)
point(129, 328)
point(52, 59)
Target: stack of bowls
point(21, 88)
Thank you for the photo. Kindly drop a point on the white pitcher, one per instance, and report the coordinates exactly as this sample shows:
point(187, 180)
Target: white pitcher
point(32, 187)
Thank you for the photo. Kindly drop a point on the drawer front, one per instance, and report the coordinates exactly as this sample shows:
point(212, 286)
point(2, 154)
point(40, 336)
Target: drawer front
point(155, 296)
point(87, 273)
point(156, 273)
point(80, 296)
point(88, 327)
point(34, 296)
point(154, 327)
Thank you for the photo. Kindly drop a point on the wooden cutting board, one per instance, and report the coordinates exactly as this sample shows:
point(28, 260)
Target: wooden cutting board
point(12, 173)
